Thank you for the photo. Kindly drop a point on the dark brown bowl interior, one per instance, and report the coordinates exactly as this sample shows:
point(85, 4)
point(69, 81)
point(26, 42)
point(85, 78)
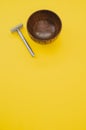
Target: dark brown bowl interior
point(44, 25)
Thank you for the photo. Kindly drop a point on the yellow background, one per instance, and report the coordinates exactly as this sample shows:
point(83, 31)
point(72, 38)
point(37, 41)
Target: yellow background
point(47, 92)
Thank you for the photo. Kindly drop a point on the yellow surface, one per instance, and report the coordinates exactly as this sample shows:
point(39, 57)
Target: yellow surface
point(47, 92)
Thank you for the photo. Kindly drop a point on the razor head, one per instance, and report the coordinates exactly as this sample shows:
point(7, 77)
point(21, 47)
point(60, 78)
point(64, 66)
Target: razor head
point(16, 28)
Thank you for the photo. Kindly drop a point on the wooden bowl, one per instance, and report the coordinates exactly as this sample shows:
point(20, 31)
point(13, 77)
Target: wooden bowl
point(44, 26)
